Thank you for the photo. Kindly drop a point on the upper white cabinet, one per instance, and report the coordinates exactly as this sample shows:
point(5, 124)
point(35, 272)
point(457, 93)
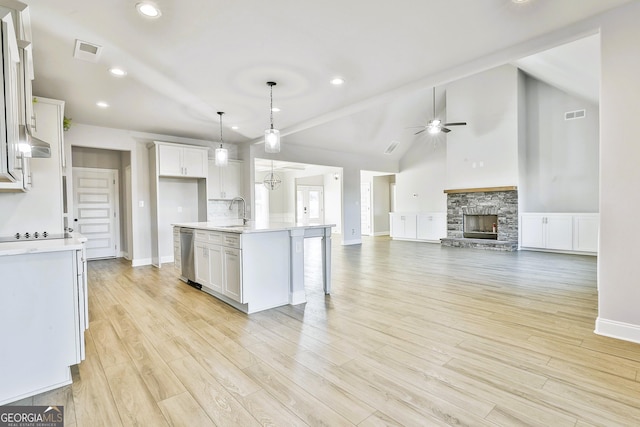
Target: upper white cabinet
point(10, 157)
point(559, 231)
point(180, 161)
point(225, 182)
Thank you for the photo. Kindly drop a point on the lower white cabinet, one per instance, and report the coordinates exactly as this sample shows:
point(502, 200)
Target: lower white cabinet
point(43, 317)
point(426, 226)
point(559, 231)
point(403, 225)
point(431, 226)
point(218, 263)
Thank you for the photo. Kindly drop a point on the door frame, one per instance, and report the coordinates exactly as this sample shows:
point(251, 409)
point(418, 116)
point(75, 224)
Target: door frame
point(308, 187)
point(116, 198)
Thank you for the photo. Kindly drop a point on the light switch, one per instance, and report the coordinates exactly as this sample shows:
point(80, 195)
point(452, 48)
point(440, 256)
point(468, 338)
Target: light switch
point(141, 204)
point(179, 208)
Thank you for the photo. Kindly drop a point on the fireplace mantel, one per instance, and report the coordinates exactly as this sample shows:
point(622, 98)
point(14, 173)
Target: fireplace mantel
point(481, 190)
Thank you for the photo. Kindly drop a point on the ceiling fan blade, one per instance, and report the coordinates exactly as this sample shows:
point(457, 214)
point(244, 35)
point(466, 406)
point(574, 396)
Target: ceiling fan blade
point(420, 131)
point(445, 130)
point(456, 124)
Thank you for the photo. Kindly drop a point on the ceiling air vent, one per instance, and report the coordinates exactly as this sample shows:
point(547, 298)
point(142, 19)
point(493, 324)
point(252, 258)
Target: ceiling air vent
point(577, 114)
point(87, 51)
point(391, 147)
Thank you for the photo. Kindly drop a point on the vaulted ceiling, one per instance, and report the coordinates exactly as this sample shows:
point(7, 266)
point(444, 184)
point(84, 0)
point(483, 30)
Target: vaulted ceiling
point(203, 56)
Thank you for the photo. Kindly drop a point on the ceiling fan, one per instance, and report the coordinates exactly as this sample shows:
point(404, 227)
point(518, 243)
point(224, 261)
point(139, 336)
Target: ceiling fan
point(435, 125)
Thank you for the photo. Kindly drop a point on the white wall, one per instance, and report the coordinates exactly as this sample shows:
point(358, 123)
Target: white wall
point(135, 143)
point(421, 183)
point(618, 267)
point(178, 204)
point(351, 165)
point(485, 152)
point(561, 158)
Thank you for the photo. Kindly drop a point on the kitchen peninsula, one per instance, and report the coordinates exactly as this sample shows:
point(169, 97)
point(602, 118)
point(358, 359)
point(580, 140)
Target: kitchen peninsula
point(252, 267)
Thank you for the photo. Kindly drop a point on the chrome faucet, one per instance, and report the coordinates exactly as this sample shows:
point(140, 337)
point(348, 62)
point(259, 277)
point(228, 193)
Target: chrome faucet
point(244, 208)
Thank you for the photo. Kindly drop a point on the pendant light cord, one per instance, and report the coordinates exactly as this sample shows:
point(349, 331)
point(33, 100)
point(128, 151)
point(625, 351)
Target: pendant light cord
point(220, 113)
point(271, 103)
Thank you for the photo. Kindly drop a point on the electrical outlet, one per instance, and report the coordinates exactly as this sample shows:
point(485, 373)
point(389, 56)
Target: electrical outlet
point(353, 231)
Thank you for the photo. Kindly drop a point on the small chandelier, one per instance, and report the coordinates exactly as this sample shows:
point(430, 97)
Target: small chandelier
point(271, 180)
point(271, 135)
point(222, 154)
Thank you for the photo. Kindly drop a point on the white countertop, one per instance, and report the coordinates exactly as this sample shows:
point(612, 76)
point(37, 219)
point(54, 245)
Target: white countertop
point(251, 227)
point(76, 241)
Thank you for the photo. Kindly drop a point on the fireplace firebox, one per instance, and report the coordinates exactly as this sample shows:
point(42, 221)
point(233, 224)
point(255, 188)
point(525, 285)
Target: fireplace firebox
point(480, 227)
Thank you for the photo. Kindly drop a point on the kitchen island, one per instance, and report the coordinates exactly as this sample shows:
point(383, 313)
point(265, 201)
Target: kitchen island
point(43, 314)
point(252, 267)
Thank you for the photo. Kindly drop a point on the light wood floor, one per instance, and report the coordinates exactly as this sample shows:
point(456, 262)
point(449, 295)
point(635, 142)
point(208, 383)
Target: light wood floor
point(413, 334)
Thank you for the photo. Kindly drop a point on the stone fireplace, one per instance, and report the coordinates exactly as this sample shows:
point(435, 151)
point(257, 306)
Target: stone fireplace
point(485, 218)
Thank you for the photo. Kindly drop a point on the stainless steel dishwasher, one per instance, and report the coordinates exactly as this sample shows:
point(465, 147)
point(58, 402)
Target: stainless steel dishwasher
point(187, 255)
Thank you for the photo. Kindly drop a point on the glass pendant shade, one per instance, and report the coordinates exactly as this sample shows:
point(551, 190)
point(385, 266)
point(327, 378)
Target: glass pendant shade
point(222, 156)
point(272, 141)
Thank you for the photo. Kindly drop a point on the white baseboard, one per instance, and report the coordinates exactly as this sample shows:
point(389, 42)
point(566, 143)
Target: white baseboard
point(352, 242)
point(618, 330)
point(140, 262)
point(381, 233)
point(166, 259)
point(298, 297)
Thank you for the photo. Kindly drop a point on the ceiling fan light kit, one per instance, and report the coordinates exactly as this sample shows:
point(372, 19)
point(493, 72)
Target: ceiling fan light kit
point(271, 135)
point(435, 126)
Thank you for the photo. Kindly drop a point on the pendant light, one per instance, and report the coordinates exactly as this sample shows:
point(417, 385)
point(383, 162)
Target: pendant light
point(222, 154)
point(271, 180)
point(271, 135)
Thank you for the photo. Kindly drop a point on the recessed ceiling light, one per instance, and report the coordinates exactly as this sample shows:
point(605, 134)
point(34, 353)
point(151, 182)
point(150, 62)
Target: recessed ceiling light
point(337, 81)
point(275, 109)
point(102, 104)
point(118, 72)
point(520, 1)
point(235, 127)
point(148, 9)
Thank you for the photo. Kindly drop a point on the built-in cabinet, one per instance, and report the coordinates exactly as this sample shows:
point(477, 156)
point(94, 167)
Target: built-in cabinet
point(182, 161)
point(225, 182)
point(43, 316)
point(175, 170)
point(423, 226)
point(559, 231)
point(218, 263)
point(16, 77)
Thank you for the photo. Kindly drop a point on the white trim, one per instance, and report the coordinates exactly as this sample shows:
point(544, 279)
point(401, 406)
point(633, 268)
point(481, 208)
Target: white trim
point(380, 233)
point(352, 242)
point(618, 330)
point(166, 259)
point(140, 262)
point(297, 297)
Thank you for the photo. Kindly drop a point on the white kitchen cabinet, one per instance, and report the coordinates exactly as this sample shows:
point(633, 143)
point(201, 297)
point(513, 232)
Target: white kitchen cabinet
point(10, 163)
point(218, 263)
point(225, 182)
point(431, 226)
point(178, 160)
point(559, 231)
point(586, 232)
point(232, 260)
point(43, 317)
point(403, 225)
